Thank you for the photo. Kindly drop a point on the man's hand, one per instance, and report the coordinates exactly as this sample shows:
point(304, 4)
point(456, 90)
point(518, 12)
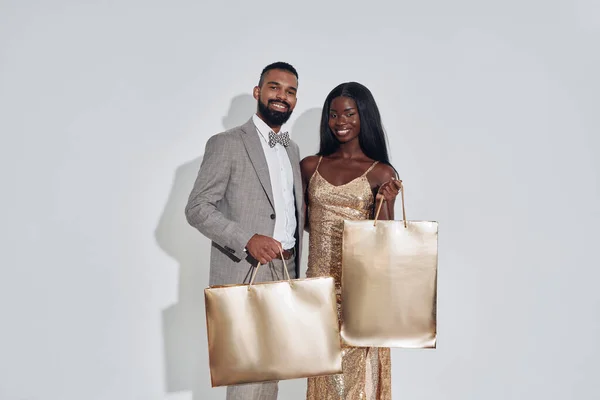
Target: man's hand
point(263, 248)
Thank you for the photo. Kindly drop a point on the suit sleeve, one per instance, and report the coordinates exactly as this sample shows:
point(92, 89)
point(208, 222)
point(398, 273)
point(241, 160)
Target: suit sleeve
point(202, 210)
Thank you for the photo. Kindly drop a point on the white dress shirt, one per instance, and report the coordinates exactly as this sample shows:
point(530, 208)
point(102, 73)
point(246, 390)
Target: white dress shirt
point(282, 183)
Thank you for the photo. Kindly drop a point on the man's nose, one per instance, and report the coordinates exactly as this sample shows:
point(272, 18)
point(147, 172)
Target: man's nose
point(282, 95)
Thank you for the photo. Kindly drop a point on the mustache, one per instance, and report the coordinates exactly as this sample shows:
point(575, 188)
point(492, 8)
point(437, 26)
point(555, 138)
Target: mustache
point(280, 102)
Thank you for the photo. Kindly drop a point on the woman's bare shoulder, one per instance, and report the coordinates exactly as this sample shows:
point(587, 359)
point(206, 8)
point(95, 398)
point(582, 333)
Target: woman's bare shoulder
point(382, 173)
point(308, 165)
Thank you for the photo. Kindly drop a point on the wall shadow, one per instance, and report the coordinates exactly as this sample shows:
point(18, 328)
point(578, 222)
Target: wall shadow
point(184, 323)
point(305, 131)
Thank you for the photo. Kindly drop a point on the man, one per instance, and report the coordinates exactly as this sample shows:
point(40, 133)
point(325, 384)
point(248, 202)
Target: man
point(248, 201)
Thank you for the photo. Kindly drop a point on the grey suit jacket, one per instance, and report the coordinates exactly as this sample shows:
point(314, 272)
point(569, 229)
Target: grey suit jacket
point(232, 200)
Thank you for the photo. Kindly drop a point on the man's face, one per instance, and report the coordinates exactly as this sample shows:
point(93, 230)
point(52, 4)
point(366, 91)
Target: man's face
point(276, 97)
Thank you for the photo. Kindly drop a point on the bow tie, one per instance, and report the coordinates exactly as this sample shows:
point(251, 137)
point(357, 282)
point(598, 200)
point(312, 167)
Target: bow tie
point(281, 138)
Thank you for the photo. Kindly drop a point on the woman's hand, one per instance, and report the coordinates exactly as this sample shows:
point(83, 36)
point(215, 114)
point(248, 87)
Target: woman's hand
point(389, 190)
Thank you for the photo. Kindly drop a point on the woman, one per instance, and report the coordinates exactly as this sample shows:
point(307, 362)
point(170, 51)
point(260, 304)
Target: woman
point(342, 182)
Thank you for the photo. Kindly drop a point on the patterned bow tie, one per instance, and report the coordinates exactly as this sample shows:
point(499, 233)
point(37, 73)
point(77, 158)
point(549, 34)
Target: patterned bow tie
point(282, 138)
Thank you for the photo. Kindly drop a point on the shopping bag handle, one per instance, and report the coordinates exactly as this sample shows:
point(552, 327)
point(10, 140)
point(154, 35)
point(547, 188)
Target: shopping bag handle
point(287, 274)
point(383, 200)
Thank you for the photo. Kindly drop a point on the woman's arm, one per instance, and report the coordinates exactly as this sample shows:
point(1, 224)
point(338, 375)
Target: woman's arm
point(308, 166)
point(386, 189)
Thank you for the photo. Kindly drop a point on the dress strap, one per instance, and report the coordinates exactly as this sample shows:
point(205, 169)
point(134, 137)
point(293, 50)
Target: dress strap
point(316, 170)
point(371, 168)
point(319, 163)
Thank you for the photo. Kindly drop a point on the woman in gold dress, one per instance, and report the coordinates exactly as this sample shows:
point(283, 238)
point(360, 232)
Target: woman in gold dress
point(341, 182)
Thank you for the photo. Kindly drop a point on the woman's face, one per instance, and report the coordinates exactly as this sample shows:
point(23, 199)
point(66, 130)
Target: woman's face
point(344, 121)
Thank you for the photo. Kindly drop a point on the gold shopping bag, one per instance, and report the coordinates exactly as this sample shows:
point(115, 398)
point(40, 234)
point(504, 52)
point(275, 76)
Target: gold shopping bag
point(269, 331)
point(389, 282)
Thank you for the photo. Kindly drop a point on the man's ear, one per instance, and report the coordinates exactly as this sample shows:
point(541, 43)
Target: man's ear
point(256, 92)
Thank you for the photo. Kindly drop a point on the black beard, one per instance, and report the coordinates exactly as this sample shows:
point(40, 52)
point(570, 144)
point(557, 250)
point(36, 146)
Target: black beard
point(272, 117)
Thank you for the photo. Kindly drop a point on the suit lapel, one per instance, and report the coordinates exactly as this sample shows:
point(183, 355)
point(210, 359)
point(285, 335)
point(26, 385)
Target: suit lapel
point(257, 157)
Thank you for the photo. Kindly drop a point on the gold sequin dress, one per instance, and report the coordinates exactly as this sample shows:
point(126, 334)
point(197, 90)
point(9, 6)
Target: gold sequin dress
point(366, 371)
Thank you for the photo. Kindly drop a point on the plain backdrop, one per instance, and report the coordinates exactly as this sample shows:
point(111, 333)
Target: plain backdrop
point(492, 113)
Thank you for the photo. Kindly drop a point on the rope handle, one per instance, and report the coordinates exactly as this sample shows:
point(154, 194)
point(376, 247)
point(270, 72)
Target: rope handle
point(383, 200)
point(287, 274)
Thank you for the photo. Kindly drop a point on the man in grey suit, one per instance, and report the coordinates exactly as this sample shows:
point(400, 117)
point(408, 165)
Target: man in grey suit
point(247, 198)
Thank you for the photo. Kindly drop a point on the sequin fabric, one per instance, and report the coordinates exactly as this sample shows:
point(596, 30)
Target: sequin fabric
point(366, 371)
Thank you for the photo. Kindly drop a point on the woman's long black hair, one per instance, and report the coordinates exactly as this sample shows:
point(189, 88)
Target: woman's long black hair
point(372, 139)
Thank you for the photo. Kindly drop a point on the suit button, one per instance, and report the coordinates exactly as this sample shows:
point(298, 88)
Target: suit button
point(272, 216)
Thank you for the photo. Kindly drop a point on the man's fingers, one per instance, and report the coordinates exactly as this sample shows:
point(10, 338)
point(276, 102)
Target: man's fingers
point(276, 247)
point(272, 254)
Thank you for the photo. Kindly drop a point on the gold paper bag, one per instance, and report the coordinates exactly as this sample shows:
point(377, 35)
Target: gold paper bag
point(272, 331)
point(389, 282)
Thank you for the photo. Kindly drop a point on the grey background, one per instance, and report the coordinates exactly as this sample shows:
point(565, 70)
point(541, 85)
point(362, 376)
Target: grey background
point(492, 114)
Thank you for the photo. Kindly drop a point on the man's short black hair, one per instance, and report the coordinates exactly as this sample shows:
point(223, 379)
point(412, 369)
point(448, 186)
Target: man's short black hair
point(277, 65)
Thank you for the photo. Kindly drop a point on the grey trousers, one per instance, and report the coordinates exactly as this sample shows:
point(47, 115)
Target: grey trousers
point(253, 391)
point(268, 390)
